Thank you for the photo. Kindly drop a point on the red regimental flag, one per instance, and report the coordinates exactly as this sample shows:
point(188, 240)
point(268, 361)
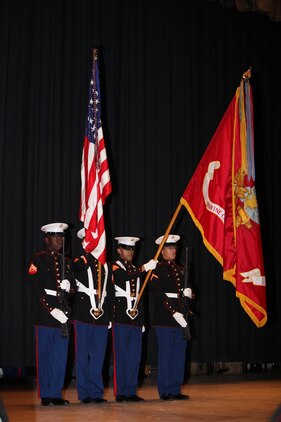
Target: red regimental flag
point(221, 200)
point(95, 177)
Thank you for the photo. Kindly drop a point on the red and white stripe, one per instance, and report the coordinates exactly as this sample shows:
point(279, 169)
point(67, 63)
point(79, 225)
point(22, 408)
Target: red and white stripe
point(95, 187)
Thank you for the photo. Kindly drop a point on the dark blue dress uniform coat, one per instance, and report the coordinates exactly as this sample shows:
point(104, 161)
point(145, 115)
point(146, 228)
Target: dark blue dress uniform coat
point(127, 281)
point(166, 288)
point(86, 274)
point(44, 277)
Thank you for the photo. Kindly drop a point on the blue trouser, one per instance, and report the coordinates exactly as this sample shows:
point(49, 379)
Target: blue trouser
point(171, 359)
point(90, 348)
point(127, 348)
point(51, 358)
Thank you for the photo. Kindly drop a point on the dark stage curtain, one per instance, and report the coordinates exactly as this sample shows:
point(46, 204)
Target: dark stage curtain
point(169, 70)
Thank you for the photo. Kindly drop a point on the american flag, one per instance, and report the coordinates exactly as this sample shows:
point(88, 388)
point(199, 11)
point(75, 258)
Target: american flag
point(95, 177)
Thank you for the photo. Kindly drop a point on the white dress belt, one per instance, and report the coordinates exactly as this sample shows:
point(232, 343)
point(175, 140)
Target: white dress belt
point(51, 292)
point(172, 295)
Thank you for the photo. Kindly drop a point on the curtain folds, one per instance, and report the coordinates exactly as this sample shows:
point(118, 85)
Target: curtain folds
point(168, 72)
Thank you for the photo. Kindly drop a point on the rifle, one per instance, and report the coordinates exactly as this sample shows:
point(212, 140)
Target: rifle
point(63, 297)
point(185, 301)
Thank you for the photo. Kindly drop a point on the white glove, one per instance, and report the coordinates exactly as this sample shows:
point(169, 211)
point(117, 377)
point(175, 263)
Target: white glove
point(65, 285)
point(143, 329)
point(150, 265)
point(59, 315)
point(109, 325)
point(180, 319)
point(187, 292)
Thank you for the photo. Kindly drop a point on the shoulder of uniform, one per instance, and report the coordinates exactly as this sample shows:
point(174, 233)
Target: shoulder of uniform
point(39, 254)
point(115, 266)
point(162, 263)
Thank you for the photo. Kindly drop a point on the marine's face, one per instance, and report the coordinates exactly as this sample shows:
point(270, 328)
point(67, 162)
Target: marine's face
point(169, 252)
point(126, 254)
point(54, 243)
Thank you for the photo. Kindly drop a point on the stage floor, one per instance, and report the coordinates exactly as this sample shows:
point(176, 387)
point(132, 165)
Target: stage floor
point(244, 397)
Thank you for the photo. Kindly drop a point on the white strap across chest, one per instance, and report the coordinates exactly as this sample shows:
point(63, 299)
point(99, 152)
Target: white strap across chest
point(91, 291)
point(119, 292)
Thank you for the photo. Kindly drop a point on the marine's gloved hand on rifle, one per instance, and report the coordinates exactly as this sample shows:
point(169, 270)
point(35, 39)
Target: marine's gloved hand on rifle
point(59, 315)
point(180, 319)
point(65, 285)
point(150, 265)
point(187, 292)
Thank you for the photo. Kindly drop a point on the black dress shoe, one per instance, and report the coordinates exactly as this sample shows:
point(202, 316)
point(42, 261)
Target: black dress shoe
point(166, 397)
point(87, 400)
point(180, 397)
point(134, 398)
point(121, 398)
point(98, 400)
point(60, 402)
point(46, 401)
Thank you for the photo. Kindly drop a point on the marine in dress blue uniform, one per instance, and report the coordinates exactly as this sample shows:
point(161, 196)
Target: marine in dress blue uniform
point(128, 325)
point(92, 316)
point(49, 315)
point(166, 287)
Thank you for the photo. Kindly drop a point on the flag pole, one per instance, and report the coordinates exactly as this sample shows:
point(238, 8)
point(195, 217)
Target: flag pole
point(98, 311)
point(176, 213)
point(99, 284)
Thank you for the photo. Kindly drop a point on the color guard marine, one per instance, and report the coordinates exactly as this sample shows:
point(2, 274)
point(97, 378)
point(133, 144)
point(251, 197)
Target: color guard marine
point(92, 316)
point(128, 320)
point(167, 319)
point(52, 284)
